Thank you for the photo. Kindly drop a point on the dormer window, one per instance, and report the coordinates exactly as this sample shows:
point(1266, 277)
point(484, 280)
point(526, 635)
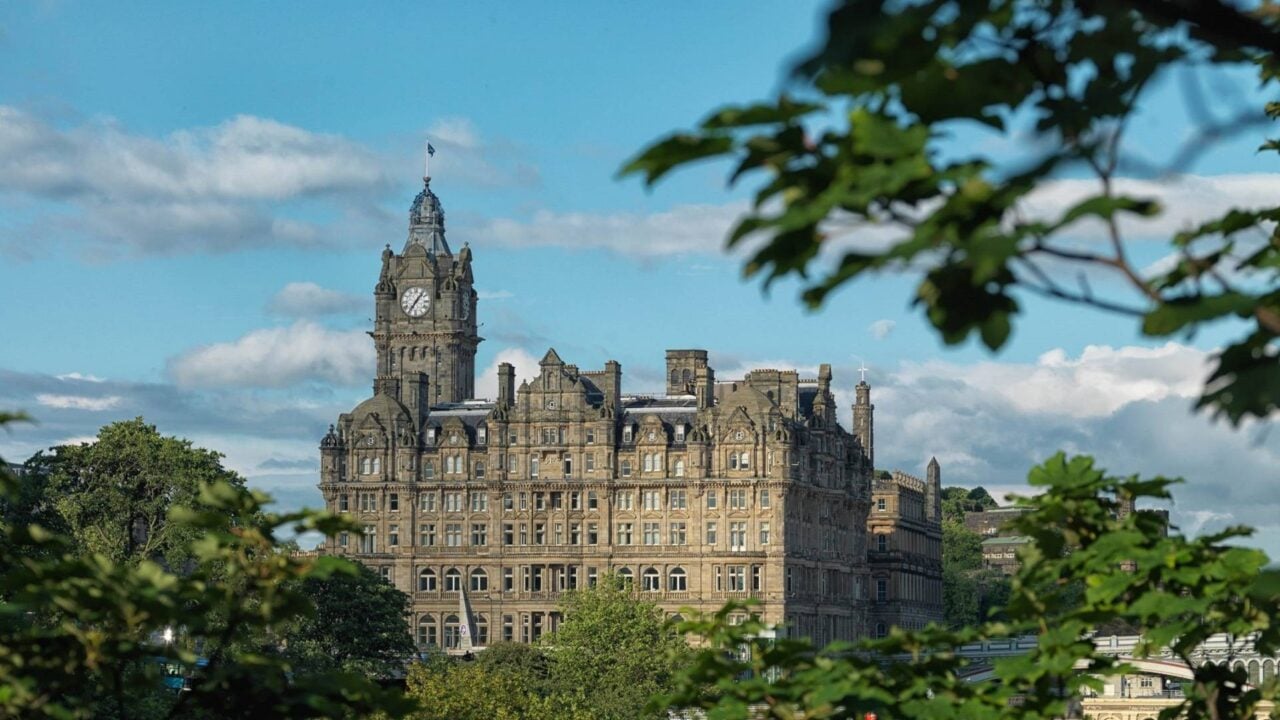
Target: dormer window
point(431, 435)
point(680, 432)
point(482, 435)
point(626, 434)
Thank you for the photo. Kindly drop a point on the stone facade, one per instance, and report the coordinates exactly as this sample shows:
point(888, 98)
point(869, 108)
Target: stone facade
point(485, 511)
point(904, 536)
point(990, 523)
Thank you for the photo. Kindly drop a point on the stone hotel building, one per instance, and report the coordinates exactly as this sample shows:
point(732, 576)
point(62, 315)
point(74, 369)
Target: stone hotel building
point(486, 511)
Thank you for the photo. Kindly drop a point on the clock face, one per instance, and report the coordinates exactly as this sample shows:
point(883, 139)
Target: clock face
point(415, 301)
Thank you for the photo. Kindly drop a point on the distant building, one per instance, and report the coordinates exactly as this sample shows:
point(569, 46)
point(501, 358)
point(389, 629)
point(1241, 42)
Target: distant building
point(1001, 553)
point(17, 469)
point(904, 536)
point(988, 523)
point(486, 511)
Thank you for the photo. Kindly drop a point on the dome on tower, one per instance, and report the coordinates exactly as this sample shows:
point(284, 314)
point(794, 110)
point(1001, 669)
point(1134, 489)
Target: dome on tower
point(426, 222)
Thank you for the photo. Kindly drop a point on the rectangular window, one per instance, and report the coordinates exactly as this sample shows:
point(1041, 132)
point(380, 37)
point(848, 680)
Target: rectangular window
point(571, 576)
point(651, 533)
point(479, 502)
point(539, 534)
point(533, 467)
point(626, 434)
point(593, 534)
point(453, 502)
point(737, 536)
point(482, 435)
point(590, 459)
point(719, 579)
point(369, 541)
point(624, 500)
point(680, 432)
point(881, 504)
point(678, 533)
point(711, 499)
point(557, 500)
point(757, 580)
point(429, 470)
point(393, 536)
point(524, 534)
point(591, 439)
point(575, 500)
point(508, 502)
point(508, 628)
point(508, 534)
point(764, 533)
point(524, 501)
point(453, 535)
point(679, 499)
point(764, 499)
point(624, 533)
point(344, 502)
point(479, 534)
point(427, 502)
point(575, 534)
point(882, 590)
point(652, 500)
point(508, 580)
point(368, 502)
point(559, 534)
point(385, 571)
point(737, 578)
point(711, 533)
point(738, 499)
point(593, 502)
point(427, 534)
point(592, 574)
point(539, 501)
point(344, 539)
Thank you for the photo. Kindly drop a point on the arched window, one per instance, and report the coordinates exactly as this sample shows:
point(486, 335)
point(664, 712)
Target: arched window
point(650, 580)
point(881, 630)
point(1255, 673)
point(377, 465)
point(626, 468)
point(733, 461)
point(479, 581)
point(452, 580)
point(679, 468)
point(625, 576)
point(677, 580)
point(746, 461)
point(675, 377)
point(686, 376)
point(427, 580)
point(482, 630)
point(452, 633)
point(479, 469)
point(426, 630)
point(1268, 670)
point(366, 467)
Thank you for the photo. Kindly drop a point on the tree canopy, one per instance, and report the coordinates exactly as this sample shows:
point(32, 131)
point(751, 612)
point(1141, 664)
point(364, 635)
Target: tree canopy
point(850, 179)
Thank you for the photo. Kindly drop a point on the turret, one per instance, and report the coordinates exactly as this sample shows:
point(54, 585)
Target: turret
point(864, 422)
point(933, 490)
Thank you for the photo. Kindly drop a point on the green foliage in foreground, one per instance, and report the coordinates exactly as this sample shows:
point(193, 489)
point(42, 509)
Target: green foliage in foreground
point(1175, 591)
point(81, 634)
point(852, 180)
point(611, 654)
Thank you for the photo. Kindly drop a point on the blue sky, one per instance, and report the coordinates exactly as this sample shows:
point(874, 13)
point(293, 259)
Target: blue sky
point(193, 198)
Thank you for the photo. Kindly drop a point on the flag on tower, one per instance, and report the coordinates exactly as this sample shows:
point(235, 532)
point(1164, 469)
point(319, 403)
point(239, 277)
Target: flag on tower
point(430, 150)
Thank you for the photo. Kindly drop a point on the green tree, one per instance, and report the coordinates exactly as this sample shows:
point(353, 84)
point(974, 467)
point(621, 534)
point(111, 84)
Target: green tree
point(464, 690)
point(113, 496)
point(1174, 591)
point(359, 625)
point(614, 650)
point(85, 635)
point(863, 148)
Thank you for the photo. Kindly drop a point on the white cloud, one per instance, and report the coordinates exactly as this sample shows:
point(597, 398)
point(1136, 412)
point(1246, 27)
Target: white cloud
point(307, 299)
point(880, 329)
point(210, 189)
point(526, 365)
point(279, 357)
point(78, 402)
point(682, 230)
point(80, 377)
point(1185, 201)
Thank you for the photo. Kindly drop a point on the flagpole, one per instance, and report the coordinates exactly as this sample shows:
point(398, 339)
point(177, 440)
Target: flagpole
point(426, 165)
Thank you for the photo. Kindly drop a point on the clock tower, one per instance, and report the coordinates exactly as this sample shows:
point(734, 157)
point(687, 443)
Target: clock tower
point(425, 323)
